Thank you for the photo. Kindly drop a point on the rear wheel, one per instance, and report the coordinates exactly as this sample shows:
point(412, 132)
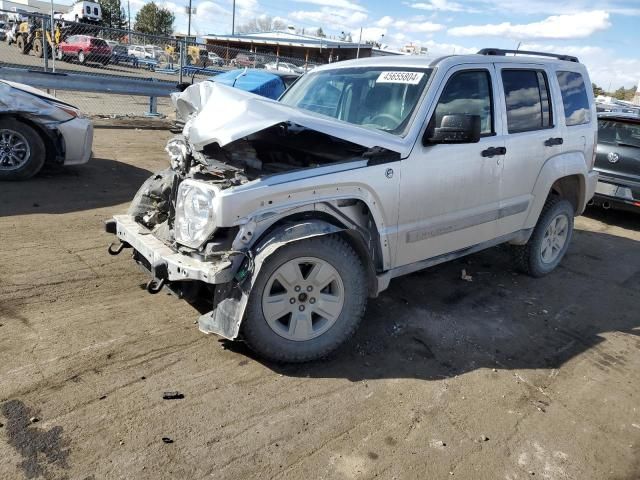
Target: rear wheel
point(37, 48)
point(549, 241)
point(81, 58)
point(21, 43)
point(22, 151)
point(308, 299)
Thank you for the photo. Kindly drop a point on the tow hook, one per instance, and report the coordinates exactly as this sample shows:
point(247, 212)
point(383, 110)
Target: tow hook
point(118, 248)
point(154, 286)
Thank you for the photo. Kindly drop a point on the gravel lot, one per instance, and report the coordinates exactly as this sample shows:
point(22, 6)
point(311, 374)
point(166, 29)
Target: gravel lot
point(505, 377)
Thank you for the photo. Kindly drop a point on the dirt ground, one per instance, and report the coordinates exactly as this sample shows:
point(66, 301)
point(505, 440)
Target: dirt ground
point(505, 377)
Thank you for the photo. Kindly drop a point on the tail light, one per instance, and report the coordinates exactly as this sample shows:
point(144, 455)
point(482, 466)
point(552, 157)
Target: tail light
point(595, 147)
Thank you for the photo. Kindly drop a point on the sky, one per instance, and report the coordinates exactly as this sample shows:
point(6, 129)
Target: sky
point(605, 35)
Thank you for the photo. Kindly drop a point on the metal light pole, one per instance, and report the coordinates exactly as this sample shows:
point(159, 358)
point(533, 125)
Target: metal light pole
point(233, 19)
point(189, 27)
point(129, 19)
point(53, 41)
point(359, 42)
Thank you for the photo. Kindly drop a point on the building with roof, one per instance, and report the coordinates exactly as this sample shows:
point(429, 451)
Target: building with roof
point(307, 48)
point(32, 6)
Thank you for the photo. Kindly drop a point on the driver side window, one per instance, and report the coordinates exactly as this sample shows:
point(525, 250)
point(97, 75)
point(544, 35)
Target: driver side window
point(467, 93)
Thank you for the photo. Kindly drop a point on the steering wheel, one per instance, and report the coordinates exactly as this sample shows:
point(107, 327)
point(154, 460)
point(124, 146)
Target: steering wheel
point(388, 121)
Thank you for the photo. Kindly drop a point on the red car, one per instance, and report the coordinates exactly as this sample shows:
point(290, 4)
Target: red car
point(85, 49)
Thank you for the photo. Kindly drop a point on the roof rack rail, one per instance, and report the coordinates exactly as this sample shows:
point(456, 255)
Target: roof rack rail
point(502, 52)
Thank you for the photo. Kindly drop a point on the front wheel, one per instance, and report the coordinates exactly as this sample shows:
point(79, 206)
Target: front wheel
point(22, 151)
point(549, 241)
point(81, 57)
point(308, 299)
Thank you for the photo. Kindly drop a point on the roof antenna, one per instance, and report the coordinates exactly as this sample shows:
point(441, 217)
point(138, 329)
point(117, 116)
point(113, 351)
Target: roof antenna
point(517, 48)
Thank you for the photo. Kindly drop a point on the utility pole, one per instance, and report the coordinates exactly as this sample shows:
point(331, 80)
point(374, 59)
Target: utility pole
point(233, 19)
point(129, 19)
point(189, 27)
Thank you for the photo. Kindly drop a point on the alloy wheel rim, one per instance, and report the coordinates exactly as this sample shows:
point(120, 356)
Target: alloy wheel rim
point(303, 298)
point(554, 239)
point(14, 150)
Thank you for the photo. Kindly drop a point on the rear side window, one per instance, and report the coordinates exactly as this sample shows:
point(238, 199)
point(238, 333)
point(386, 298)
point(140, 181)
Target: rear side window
point(467, 93)
point(574, 98)
point(527, 99)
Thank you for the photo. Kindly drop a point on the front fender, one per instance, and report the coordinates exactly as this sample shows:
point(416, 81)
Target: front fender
point(225, 320)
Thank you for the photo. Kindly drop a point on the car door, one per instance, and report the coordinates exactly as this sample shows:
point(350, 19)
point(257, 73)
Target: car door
point(67, 45)
point(450, 193)
point(533, 136)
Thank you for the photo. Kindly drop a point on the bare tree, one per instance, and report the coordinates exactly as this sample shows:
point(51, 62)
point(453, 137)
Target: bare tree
point(264, 23)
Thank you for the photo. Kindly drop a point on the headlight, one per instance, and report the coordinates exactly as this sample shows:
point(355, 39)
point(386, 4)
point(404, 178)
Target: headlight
point(195, 213)
point(178, 150)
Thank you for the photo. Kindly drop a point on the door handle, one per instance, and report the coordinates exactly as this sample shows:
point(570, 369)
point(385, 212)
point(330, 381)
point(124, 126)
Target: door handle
point(493, 151)
point(550, 142)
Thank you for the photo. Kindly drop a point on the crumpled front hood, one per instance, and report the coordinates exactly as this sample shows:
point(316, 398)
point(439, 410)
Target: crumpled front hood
point(216, 113)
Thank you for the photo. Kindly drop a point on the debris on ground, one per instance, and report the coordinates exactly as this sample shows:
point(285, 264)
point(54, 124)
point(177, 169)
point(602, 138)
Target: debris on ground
point(167, 440)
point(34, 419)
point(464, 276)
point(172, 396)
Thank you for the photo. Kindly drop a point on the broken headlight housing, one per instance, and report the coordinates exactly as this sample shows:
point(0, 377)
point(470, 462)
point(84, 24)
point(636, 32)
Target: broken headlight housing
point(178, 151)
point(195, 213)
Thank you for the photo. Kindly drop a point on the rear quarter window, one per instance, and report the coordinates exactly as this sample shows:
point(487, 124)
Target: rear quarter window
point(574, 98)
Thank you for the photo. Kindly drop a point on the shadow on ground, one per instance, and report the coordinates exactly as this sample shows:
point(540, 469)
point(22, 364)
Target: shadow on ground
point(99, 183)
point(619, 218)
point(433, 325)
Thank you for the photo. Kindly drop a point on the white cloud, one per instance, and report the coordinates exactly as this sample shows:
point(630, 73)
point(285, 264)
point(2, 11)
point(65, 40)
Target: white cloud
point(331, 18)
point(553, 7)
point(372, 34)
point(442, 6)
point(604, 67)
point(385, 21)
point(578, 25)
point(343, 4)
point(436, 49)
point(417, 27)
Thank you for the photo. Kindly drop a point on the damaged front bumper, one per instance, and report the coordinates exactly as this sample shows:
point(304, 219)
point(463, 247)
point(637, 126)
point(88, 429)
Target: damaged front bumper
point(166, 264)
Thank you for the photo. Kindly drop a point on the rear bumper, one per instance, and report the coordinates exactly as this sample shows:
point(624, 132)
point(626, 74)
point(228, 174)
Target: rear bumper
point(78, 140)
point(616, 192)
point(166, 263)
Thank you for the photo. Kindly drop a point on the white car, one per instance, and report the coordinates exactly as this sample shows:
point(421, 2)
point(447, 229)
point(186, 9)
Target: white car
point(287, 215)
point(284, 67)
point(153, 51)
point(36, 128)
point(215, 59)
point(139, 51)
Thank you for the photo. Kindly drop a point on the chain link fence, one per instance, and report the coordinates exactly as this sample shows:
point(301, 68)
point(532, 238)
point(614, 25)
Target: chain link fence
point(38, 42)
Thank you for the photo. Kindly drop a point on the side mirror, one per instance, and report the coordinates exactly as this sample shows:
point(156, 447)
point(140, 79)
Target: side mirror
point(455, 128)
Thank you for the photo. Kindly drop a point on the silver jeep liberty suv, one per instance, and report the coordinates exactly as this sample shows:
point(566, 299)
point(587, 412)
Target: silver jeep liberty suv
point(287, 215)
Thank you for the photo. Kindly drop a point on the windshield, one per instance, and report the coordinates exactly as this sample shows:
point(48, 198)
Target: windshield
point(619, 133)
point(381, 98)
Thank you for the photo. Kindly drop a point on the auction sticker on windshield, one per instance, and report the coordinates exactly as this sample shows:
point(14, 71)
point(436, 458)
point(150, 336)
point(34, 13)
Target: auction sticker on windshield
point(411, 78)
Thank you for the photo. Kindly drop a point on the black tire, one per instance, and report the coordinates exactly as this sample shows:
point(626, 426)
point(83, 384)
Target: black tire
point(22, 45)
point(263, 340)
point(36, 146)
point(528, 257)
point(37, 48)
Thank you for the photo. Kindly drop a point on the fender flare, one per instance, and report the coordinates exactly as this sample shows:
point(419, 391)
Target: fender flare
point(225, 320)
point(563, 165)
